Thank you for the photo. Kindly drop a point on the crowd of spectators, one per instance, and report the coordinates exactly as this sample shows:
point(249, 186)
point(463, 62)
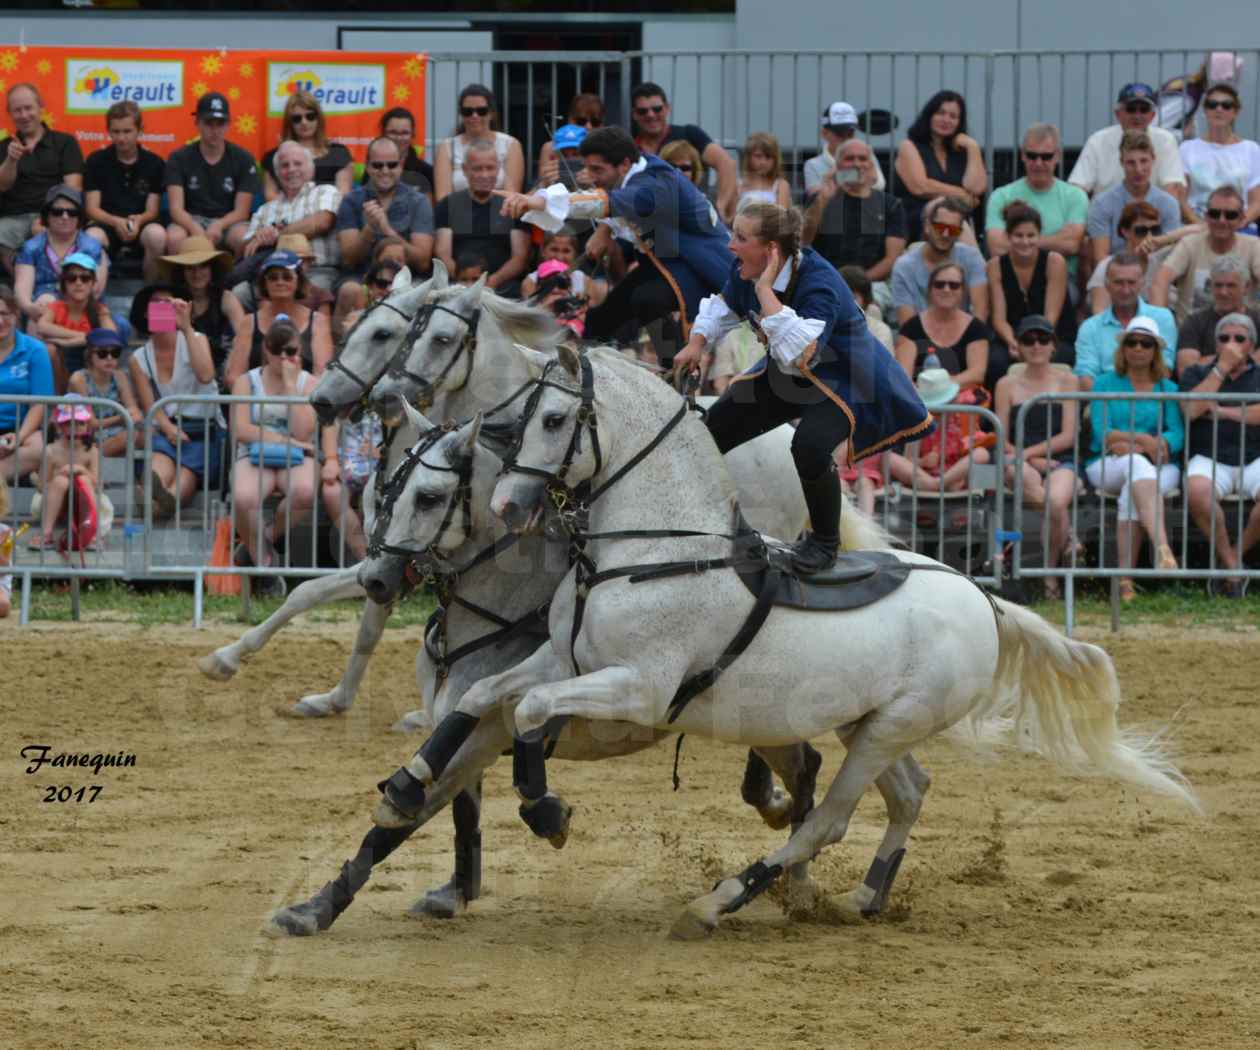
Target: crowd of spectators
point(1132, 273)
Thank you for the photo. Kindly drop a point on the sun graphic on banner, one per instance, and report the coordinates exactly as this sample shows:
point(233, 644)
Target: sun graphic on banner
point(48, 118)
point(413, 68)
point(8, 61)
point(402, 93)
point(4, 84)
point(211, 64)
point(234, 93)
point(200, 88)
point(246, 124)
point(43, 67)
point(247, 69)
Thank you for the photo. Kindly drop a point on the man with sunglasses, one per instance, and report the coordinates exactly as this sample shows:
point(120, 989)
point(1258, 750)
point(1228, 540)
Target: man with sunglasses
point(33, 159)
point(1137, 158)
point(210, 183)
point(1098, 168)
point(1190, 263)
point(1096, 338)
point(943, 226)
point(653, 130)
point(1231, 285)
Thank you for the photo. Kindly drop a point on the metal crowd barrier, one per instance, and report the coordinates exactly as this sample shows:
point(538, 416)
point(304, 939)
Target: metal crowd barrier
point(1186, 528)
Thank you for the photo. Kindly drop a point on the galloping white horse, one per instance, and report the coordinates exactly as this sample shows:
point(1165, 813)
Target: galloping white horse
point(936, 652)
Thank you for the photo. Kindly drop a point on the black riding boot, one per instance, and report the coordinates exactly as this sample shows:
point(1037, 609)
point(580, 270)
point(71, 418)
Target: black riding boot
point(817, 551)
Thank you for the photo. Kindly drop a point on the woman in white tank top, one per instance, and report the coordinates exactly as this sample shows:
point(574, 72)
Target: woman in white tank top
point(478, 118)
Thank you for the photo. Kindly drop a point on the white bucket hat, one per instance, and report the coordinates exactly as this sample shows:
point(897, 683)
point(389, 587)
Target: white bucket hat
point(1142, 326)
point(936, 387)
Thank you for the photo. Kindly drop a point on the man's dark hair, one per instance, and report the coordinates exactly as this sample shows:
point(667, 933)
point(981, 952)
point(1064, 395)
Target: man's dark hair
point(648, 90)
point(468, 258)
point(859, 284)
point(612, 143)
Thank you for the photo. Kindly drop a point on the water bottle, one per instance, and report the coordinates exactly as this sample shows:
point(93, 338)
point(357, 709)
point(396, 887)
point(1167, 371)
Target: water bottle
point(132, 534)
point(932, 360)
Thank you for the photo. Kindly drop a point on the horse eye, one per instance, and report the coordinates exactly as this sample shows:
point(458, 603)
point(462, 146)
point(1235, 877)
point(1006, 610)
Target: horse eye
point(380, 336)
point(442, 340)
point(427, 500)
point(553, 421)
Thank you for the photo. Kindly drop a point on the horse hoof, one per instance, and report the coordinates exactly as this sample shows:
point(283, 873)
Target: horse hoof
point(297, 920)
point(413, 722)
point(691, 927)
point(777, 813)
point(215, 667)
point(548, 818)
point(443, 903)
point(318, 706)
point(384, 815)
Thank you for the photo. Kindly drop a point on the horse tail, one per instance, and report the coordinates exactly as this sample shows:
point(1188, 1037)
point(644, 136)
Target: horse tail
point(859, 531)
point(1060, 699)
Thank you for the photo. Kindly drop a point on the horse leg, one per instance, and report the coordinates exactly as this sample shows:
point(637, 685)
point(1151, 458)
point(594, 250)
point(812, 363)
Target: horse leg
point(341, 697)
point(224, 662)
point(798, 767)
point(759, 790)
point(465, 885)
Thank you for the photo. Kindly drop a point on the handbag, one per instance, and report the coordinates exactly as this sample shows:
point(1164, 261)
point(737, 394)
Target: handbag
point(274, 455)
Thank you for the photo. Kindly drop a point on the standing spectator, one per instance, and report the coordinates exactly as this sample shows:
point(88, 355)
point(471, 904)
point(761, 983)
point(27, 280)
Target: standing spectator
point(478, 122)
point(470, 220)
point(912, 269)
point(351, 451)
point(122, 188)
point(938, 158)
point(39, 263)
point(279, 292)
point(383, 208)
point(1097, 338)
point(1137, 157)
point(761, 176)
point(1098, 168)
point(850, 223)
point(1029, 280)
point(586, 113)
point(653, 130)
point(944, 335)
point(66, 322)
point(1221, 157)
point(36, 159)
point(1190, 263)
point(210, 183)
point(1145, 239)
point(839, 127)
point(304, 124)
point(1196, 339)
point(1135, 445)
point(1062, 206)
point(682, 155)
point(564, 158)
point(1225, 441)
point(198, 274)
point(25, 369)
point(101, 377)
point(303, 205)
point(399, 124)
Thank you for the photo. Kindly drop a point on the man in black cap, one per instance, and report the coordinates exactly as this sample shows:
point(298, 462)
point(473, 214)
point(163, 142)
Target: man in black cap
point(210, 184)
point(1098, 168)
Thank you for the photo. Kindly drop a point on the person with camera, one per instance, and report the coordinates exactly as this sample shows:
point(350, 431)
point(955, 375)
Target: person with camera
point(557, 291)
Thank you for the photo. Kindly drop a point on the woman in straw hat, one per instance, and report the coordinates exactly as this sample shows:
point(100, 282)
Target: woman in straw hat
point(198, 274)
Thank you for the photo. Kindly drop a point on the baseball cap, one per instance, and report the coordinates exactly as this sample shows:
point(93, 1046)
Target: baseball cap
point(1033, 323)
point(280, 260)
point(569, 136)
point(551, 266)
point(64, 190)
point(839, 115)
point(212, 106)
point(1135, 92)
point(99, 338)
point(80, 259)
point(77, 412)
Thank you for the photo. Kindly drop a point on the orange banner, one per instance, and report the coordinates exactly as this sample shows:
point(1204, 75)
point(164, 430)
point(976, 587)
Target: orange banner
point(78, 85)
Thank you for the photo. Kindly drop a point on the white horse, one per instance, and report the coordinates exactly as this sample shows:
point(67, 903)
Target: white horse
point(936, 652)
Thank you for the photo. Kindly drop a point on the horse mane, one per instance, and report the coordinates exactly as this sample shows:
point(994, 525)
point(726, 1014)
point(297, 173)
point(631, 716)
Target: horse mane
point(521, 322)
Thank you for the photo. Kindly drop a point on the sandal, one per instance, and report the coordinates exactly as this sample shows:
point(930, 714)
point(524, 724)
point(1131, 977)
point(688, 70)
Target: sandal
point(1050, 585)
point(1128, 592)
point(42, 543)
point(1165, 560)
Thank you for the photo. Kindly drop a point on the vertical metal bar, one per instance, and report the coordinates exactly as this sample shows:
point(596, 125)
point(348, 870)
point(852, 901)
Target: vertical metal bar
point(199, 592)
point(796, 128)
point(624, 91)
point(531, 109)
point(24, 614)
point(75, 596)
point(989, 78)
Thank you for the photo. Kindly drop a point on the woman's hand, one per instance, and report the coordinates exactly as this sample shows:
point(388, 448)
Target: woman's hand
point(774, 263)
point(330, 472)
point(8, 445)
point(183, 314)
point(1016, 353)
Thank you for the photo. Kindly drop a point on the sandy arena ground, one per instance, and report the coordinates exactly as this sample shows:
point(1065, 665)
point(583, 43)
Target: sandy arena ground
point(1033, 910)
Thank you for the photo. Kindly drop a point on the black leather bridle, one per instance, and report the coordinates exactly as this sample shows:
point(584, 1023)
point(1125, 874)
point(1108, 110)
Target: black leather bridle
point(398, 367)
point(338, 365)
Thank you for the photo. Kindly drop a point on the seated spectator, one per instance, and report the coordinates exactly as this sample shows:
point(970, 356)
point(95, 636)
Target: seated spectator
point(1097, 338)
point(1049, 463)
point(1144, 238)
point(122, 190)
point(36, 159)
point(1137, 157)
point(652, 131)
point(1190, 263)
point(1135, 445)
point(478, 122)
point(761, 177)
point(64, 326)
point(1196, 338)
point(940, 462)
point(938, 158)
point(564, 164)
point(562, 245)
point(197, 274)
point(1225, 442)
point(556, 294)
point(1098, 168)
point(586, 113)
point(399, 124)
point(839, 127)
point(470, 220)
point(470, 267)
point(304, 125)
point(384, 208)
point(944, 335)
point(300, 205)
point(351, 451)
point(39, 263)
point(850, 223)
point(7, 539)
point(279, 292)
point(25, 369)
point(1220, 157)
point(682, 155)
point(860, 285)
point(317, 298)
point(187, 437)
point(72, 453)
point(1029, 280)
point(101, 377)
point(377, 284)
point(913, 267)
point(210, 183)
point(280, 375)
point(1063, 207)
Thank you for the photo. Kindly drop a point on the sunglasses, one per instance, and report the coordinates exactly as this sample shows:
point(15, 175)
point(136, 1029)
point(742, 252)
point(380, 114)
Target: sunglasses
point(1145, 231)
point(592, 122)
point(285, 351)
point(305, 118)
point(1036, 339)
point(78, 277)
point(383, 284)
point(109, 351)
point(1033, 155)
point(64, 213)
point(474, 111)
point(947, 229)
point(643, 111)
point(279, 273)
point(953, 286)
point(683, 167)
point(1139, 107)
point(214, 122)
point(1229, 214)
point(1141, 344)
point(1220, 103)
point(1232, 337)
point(383, 165)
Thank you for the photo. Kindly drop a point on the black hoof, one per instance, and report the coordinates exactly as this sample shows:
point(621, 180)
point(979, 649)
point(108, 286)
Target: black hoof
point(302, 920)
point(404, 792)
point(445, 902)
point(548, 818)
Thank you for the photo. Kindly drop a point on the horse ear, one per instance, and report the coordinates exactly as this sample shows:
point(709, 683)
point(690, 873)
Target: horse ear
point(415, 417)
point(402, 279)
point(475, 291)
point(441, 278)
point(570, 359)
point(536, 358)
point(465, 443)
